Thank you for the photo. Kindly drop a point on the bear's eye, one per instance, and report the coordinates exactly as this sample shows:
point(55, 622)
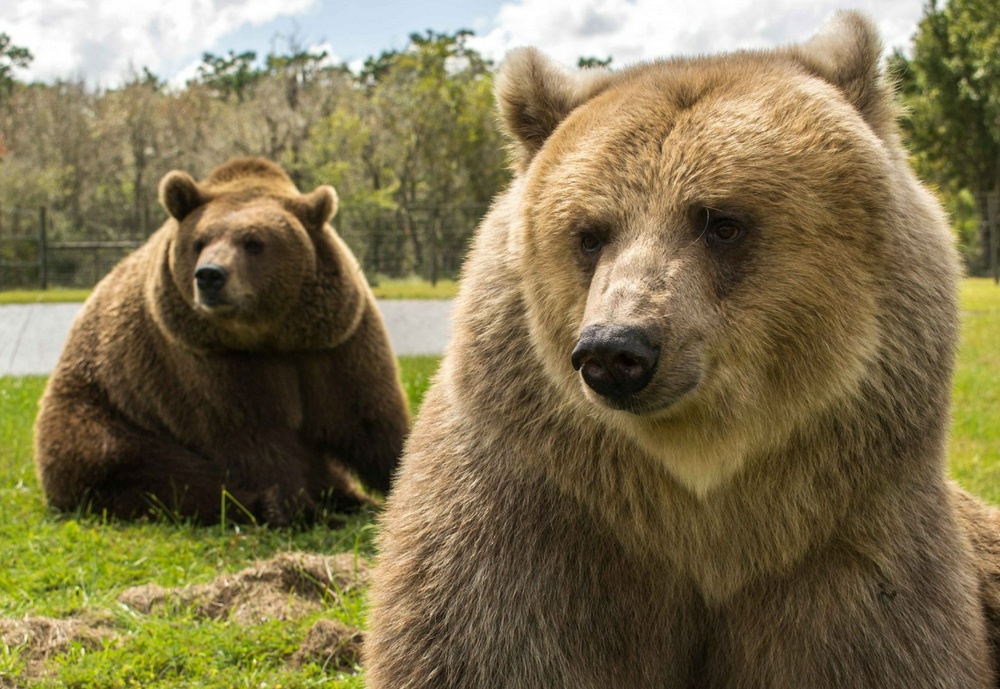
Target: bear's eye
point(590, 243)
point(723, 231)
point(253, 246)
point(199, 246)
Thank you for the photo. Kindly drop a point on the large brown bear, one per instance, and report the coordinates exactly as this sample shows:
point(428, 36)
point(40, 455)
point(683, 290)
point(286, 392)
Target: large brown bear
point(240, 350)
point(690, 428)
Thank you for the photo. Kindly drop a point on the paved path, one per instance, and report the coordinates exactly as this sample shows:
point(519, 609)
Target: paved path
point(32, 335)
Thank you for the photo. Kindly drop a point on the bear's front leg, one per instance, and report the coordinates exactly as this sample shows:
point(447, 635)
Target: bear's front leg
point(355, 408)
point(841, 621)
point(89, 456)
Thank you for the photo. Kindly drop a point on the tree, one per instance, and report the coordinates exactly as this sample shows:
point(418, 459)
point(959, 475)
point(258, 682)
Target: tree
point(436, 133)
point(11, 57)
point(229, 75)
point(590, 62)
point(951, 87)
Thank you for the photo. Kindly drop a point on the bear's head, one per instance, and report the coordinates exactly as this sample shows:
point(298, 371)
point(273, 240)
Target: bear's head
point(717, 250)
point(248, 258)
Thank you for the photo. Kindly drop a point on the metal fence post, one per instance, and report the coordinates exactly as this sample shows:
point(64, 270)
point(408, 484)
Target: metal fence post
point(43, 276)
point(993, 225)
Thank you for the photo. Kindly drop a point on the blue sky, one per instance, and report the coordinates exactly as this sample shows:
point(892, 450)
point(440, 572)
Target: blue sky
point(103, 40)
point(356, 30)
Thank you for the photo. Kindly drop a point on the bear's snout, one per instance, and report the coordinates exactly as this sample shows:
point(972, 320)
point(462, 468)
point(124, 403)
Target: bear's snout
point(210, 278)
point(616, 361)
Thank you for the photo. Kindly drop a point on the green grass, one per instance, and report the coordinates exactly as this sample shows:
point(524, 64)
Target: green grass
point(975, 439)
point(413, 288)
point(386, 288)
point(65, 566)
point(38, 296)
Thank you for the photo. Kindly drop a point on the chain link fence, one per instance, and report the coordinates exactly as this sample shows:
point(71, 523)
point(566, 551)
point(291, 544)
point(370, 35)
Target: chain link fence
point(42, 249)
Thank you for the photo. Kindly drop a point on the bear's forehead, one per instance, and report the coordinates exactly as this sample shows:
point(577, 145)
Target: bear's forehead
point(262, 214)
point(711, 134)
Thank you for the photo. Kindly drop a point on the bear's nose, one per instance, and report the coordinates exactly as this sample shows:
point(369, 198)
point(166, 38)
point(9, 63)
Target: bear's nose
point(210, 278)
point(616, 361)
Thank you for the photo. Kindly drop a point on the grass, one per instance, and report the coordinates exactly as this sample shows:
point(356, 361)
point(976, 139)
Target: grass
point(413, 288)
point(75, 566)
point(64, 566)
point(385, 288)
point(56, 295)
point(975, 439)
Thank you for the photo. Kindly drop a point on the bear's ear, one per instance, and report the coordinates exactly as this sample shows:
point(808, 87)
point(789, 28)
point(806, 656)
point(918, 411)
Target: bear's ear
point(534, 95)
point(847, 52)
point(317, 207)
point(179, 194)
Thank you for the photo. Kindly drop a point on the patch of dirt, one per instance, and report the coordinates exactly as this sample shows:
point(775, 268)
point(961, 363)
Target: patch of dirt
point(38, 638)
point(287, 586)
point(331, 645)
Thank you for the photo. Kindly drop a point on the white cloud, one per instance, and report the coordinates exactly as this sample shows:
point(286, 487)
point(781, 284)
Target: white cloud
point(104, 39)
point(634, 30)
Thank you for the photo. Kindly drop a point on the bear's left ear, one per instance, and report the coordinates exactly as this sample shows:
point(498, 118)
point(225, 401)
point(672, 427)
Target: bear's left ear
point(534, 95)
point(317, 207)
point(179, 194)
point(847, 52)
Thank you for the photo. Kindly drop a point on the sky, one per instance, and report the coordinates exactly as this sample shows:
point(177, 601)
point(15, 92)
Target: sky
point(104, 41)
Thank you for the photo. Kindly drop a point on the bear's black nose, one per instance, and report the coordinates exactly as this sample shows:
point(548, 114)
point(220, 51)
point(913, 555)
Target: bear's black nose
point(616, 361)
point(210, 278)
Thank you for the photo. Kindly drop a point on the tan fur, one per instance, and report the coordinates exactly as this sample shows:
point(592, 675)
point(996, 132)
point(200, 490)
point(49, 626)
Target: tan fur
point(770, 510)
point(272, 389)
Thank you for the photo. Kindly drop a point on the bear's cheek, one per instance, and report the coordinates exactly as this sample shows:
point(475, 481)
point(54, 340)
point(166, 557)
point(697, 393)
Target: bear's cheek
point(270, 284)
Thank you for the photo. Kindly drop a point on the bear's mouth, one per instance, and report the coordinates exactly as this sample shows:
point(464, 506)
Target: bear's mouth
point(659, 397)
point(215, 306)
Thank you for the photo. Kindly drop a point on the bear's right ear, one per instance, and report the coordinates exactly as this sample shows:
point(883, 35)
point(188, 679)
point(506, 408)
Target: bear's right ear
point(847, 53)
point(317, 207)
point(534, 95)
point(179, 194)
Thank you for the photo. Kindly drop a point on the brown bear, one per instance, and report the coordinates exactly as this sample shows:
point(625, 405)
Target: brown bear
point(240, 350)
point(690, 429)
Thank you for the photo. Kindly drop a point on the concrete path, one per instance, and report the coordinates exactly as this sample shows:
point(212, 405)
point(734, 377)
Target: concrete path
point(32, 335)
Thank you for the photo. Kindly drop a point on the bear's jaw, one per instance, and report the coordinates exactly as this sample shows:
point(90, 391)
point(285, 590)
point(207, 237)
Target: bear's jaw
point(699, 462)
point(215, 309)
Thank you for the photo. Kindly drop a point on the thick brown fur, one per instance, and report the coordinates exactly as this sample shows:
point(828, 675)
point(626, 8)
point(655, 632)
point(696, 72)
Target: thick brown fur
point(771, 509)
point(275, 389)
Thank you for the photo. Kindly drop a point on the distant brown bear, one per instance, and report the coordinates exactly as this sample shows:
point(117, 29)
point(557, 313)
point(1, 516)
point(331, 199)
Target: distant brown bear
point(690, 428)
point(240, 349)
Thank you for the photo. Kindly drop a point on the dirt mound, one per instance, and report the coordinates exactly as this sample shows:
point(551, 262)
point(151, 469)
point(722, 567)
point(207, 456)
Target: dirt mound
point(331, 645)
point(287, 586)
point(284, 587)
point(38, 638)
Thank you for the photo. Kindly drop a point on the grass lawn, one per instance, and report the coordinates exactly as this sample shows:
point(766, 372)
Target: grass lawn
point(975, 439)
point(74, 567)
point(386, 288)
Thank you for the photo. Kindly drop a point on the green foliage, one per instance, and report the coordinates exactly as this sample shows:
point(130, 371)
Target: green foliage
point(951, 89)
point(410, 145)
point(229, 75)
point(11, 58)
point(434, 143)
point(591, 62)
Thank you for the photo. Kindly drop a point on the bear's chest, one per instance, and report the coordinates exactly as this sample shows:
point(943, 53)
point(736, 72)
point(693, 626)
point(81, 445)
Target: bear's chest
point(252, 392)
